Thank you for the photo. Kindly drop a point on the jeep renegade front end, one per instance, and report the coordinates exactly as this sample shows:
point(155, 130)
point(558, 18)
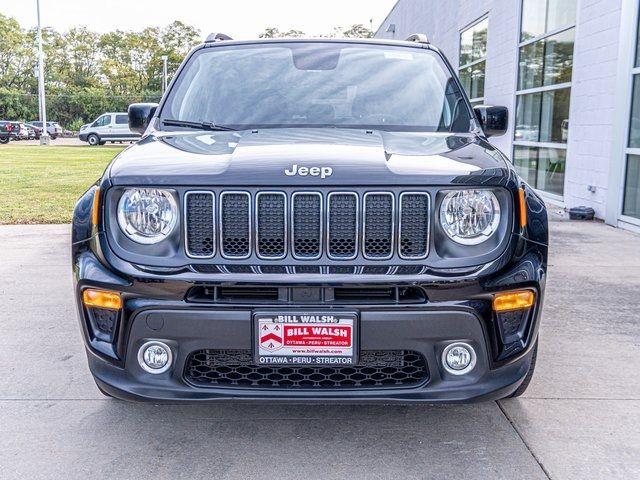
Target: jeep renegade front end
point(317, 220)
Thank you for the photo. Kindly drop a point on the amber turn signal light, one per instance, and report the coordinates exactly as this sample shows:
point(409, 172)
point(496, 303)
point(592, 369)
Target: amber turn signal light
point(95, 210)
point(521, 300)
point(523, 208)
point(101, 299)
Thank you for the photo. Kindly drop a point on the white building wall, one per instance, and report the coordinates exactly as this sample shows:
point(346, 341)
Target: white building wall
point(592, 110)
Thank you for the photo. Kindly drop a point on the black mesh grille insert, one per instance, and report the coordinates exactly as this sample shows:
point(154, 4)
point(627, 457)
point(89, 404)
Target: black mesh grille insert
point(375, 368)
point(103, 323)
point(378, 227)
point(307, 225)
point(343, 227)
point(271, 225)
point(200, 224)
point(235, 224)
point(414, 225)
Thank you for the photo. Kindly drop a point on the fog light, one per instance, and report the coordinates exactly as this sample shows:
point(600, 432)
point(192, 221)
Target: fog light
point(459, 358)
point(155, 357)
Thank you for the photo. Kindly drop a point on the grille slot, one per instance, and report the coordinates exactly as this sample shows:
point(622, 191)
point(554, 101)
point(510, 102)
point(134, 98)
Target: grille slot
point(375, 369)
point(378, 225)
point(414, 225)
point(235, 224)
point(271, 224)
point(200, 231)
point(343, 225)
point(307, 225)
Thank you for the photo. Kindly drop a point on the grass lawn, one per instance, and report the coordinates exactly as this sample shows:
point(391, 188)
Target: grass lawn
point(41, 184)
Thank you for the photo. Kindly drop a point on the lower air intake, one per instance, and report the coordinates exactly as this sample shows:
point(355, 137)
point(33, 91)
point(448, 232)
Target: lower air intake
point(375, 368)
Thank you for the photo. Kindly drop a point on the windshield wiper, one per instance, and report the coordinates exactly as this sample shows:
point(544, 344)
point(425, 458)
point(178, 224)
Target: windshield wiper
point(199, 125)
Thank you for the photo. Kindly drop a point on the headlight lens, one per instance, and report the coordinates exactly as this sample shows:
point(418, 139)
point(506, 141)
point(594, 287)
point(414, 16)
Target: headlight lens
point(147, 215)
point(470, 217)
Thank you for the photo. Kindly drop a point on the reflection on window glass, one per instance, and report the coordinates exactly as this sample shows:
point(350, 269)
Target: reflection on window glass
point(631, 205)
point(531, 65)
point(472, 79)
point(558, 57)
point(547, 62)
point(542, 16)
point(543, 117)
point(560, 13)
point(525, 161)
point(528, 117)
point(473, 50)
point(533, 18)
point(541, 167)
point(554, 116)
point(634, 129)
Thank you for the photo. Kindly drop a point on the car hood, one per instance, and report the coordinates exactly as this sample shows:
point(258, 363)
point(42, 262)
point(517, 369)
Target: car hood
point(352, 157)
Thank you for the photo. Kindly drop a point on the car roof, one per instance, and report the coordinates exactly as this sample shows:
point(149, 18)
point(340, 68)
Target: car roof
point(365, 41)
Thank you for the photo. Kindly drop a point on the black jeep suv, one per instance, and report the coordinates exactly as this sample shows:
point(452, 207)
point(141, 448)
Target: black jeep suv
point(315, 220)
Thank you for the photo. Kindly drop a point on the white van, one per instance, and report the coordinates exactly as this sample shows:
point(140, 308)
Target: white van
point(108, 127)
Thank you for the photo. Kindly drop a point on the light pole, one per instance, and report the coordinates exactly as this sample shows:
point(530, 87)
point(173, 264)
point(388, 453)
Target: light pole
point(164, 72)
point(44, 136)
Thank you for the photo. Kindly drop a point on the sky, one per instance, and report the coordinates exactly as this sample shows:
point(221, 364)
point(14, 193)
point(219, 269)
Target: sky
point(238, 18)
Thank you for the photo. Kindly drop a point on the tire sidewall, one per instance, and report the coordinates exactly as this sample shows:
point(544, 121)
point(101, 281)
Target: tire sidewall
point(93, 140)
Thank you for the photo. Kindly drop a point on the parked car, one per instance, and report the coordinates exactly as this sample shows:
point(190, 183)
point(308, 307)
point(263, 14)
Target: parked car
point(6, 131)
point(108, 127)
point(315, 220)
point(37, 131)
point(53, 128)
point(23, 131)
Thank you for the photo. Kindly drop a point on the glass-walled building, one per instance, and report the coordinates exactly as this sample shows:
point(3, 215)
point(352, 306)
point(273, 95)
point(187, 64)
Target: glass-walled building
point(569, 71)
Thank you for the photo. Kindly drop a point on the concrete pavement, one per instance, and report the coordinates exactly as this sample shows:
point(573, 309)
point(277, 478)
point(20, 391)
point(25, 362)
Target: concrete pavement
point(579, 419)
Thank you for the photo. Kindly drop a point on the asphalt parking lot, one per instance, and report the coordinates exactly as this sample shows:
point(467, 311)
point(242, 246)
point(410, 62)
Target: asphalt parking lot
point(579, 419)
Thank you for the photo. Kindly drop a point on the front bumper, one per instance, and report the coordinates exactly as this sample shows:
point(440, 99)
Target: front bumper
point(455, 310)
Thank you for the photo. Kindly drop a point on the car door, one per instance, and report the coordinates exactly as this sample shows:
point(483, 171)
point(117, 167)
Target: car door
point(102, 126)
point(121, 126)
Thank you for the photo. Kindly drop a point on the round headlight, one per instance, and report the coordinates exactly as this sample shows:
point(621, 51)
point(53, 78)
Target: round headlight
point(470, 217)
point(147, 215)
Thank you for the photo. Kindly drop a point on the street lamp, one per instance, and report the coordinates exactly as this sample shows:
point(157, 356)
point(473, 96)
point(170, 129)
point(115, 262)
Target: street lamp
point(44, 136)
point(164, 72)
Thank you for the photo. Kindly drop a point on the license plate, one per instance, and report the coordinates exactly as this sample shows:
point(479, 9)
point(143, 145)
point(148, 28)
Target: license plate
point(305, 338)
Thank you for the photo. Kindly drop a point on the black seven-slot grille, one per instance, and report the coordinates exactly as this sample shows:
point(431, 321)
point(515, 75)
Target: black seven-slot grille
point(375, 368)
point(307, 225)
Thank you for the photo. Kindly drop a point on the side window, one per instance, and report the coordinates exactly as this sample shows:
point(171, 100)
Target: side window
point(102, 121)
point(122, 119)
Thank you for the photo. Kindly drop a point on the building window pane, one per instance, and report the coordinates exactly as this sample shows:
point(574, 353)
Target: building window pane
point(632, 187)
point(531, 65)
point(558, 57)
point(542, 16)
point(638, 44)
point(547, 62)
point(473, 50)
point(480, 40)
point(541, 167)
point(560, 13)
point(533, 18)
point(525, 161)
point(528, 117)
point(543, 116)
point(634, 130)
point(554, 117)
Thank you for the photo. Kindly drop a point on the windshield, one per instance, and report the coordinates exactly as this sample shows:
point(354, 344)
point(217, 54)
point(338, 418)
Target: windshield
point(318, 84)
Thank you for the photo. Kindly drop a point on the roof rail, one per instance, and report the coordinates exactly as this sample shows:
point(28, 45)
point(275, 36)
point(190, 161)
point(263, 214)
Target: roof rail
point(418, 37)
point(217, 37)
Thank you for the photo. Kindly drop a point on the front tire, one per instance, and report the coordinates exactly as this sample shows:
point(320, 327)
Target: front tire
point(527, 379)
point(93, 140)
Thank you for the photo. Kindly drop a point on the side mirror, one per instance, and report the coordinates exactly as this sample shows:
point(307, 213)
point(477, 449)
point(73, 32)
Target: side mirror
point(494, 120)
point(140, 114)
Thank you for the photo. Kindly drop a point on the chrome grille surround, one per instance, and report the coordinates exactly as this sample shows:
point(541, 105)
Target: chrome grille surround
point(273, 239)
point(403, 236)
point(189, 234)
point(236, 242)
